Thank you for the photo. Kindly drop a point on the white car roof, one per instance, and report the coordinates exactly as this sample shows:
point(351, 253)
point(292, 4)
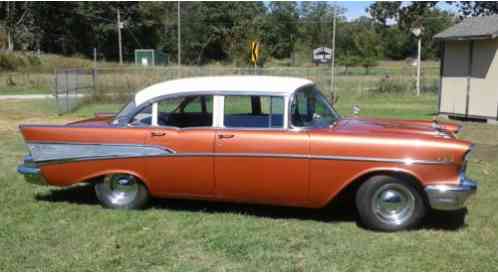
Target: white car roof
point(264, 85)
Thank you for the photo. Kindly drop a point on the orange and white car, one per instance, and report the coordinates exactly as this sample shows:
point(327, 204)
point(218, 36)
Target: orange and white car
point(254, 139)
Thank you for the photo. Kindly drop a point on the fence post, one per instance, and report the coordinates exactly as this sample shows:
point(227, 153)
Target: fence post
point(56, 91)
point(67, 90)
point(76, 89)
point(94, 82)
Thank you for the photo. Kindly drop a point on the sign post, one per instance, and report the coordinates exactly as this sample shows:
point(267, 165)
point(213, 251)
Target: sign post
point(255, 53)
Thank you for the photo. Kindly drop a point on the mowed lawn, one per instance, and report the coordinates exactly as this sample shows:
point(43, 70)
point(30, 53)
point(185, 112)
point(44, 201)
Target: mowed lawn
point(51, 229)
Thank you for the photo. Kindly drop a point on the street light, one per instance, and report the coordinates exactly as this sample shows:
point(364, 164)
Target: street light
point(418, 33)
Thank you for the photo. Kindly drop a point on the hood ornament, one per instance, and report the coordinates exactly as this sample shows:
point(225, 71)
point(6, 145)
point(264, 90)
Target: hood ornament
point(356, 109)
point(435, 124)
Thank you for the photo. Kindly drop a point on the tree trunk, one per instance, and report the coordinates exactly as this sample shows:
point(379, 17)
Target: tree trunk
point(10, 41)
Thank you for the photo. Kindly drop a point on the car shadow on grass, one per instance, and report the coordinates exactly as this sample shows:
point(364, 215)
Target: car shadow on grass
point(340, 210)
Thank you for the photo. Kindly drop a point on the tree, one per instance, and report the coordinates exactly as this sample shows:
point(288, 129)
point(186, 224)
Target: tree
point(16, 20)
point(367, 43)
point(398, 42)
point(348, 61)
point(383, 12)
point(369, 62)
point(477, 8)
point(283, 20)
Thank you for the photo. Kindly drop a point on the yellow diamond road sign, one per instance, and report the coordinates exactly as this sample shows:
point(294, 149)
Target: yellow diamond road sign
point(254, 52)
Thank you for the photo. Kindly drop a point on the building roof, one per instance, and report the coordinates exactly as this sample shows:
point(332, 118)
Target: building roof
point(473, 28)
point(264, 85)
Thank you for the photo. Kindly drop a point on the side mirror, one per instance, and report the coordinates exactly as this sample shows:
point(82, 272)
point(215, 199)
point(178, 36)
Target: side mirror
point(356, 109)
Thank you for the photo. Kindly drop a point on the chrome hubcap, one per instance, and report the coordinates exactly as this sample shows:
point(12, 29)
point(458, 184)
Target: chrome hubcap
point(121, 189)
point(393, 204)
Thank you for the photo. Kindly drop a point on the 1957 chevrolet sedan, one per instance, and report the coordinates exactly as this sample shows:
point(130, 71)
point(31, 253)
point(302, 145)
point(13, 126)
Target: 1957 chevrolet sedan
point(254, 139)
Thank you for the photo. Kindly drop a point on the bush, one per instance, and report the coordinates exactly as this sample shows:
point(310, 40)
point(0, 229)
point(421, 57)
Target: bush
point(431, 86)
point(14, 62)
point(34, 60)
point(387, 85)
point(10, 62)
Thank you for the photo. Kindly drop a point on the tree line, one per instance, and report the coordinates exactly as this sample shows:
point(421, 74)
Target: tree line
point(222, 31)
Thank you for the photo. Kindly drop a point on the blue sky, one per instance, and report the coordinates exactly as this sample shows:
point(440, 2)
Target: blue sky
point(356, 9)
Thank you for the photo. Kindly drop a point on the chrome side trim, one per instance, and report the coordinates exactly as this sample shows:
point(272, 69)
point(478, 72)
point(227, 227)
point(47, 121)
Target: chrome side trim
point(70, 154)
point(406, 161)
point(47, 152)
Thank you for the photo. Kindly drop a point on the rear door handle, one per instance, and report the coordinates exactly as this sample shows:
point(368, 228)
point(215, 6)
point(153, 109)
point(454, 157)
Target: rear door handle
point(222, 136)
point(157, 133)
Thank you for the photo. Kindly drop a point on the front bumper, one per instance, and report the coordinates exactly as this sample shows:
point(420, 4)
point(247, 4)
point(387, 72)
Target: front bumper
point(451, 197)
point(32, 174)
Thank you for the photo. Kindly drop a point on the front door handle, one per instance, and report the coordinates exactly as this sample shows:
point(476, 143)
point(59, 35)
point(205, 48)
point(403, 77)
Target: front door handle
point(157, 133)
point(222, 136)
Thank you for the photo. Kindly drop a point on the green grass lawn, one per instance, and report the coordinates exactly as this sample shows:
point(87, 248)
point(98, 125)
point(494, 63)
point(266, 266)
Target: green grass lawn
point(53, 229)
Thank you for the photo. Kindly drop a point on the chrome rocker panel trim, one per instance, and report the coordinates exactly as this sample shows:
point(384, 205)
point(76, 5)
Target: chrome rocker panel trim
point(32, 174)
point(451, 197)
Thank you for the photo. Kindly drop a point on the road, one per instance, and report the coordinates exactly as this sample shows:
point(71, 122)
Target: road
point(26, 97)
point(32, 97)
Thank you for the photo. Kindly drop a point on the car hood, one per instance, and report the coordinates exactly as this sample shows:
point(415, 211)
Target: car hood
point(93, 122)
point(397, 127)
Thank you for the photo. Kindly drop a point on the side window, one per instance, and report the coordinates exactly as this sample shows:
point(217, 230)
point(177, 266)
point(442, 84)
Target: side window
point(198, 104)
point(189, 111)
point(253, 111)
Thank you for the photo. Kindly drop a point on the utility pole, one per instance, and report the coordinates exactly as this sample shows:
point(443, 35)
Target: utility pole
point(120, 26)
point(179, 57)
point(332, 76)
point(419, 64)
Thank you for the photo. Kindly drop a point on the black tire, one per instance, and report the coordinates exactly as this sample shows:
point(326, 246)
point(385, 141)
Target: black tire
point(134, 194)
point(389, 203)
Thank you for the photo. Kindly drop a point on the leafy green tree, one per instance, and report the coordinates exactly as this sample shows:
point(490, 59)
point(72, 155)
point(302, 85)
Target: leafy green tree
point(369, 62)
point(477, 8)
point(16, 20)
point(283, 19)
point(348, 61)
point(397, 39)
point(367, 43)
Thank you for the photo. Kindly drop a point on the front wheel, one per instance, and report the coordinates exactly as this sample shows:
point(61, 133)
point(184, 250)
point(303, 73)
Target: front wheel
point(122, 191)
point(389, 203)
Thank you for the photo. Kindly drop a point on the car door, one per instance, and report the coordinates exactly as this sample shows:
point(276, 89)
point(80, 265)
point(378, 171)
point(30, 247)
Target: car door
point(256, 158)
point(184, 127)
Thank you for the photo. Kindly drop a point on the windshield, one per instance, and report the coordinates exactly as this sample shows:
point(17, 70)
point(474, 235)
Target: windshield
point(309, 108)
point(126, 111)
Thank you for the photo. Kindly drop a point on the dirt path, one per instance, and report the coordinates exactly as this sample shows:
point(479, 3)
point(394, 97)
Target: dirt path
point(25, 97)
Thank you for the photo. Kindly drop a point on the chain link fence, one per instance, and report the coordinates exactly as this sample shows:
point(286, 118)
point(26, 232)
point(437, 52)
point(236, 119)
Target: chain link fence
point(73, 87)
point(119, 84)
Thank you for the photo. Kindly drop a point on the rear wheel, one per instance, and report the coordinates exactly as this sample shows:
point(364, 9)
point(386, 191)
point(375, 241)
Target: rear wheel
point(389, 203)
point(122, 191)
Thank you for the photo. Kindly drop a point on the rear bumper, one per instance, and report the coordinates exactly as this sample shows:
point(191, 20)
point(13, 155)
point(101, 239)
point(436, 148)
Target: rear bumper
point(451, 197)
point(32, 174)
